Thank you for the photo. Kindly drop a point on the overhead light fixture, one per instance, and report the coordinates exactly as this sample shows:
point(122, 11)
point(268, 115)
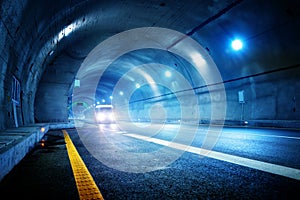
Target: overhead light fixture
point(67, 31)
point(168, 74)
point(237, 44)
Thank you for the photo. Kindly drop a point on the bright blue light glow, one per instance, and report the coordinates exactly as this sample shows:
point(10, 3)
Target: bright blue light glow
point(103, 100)
point(237, 44)
point(168, 74)
point(111, 97)
point(137, 85)
point(121, 93)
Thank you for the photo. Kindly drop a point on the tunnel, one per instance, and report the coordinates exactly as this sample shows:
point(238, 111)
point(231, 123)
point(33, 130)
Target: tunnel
point(44, 45)
point(233, 63)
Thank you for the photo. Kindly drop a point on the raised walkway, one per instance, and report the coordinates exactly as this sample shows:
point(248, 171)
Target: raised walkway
point(15, 143)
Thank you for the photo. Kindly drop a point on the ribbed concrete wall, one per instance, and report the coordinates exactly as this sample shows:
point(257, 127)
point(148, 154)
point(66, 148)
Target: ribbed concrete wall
point(34, 50)
point(271, 99)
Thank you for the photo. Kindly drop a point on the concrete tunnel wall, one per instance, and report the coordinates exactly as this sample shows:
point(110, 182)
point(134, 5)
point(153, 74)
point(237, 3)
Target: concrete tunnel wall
point(26, 42)
point(25, 46)
point(53, 92)
point(270, 100)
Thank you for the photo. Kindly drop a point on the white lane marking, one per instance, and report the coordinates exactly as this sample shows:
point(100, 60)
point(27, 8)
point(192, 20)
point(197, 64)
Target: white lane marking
point(255, 164)
point(120, 132)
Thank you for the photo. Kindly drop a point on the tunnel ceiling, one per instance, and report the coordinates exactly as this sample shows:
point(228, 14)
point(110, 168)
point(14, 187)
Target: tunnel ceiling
point(56, 36)
point(268, 29)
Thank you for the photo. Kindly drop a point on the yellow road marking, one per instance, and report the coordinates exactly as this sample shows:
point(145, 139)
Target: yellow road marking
point(86, 186)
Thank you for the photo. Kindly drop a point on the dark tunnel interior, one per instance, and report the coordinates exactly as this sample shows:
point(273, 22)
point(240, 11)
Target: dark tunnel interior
point(46, 45)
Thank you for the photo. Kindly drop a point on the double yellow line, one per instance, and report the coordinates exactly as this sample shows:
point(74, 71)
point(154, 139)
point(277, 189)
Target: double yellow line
point(85, 183)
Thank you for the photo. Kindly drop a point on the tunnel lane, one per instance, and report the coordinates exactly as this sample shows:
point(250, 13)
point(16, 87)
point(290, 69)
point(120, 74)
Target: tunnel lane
point(262, 160)
point(231, 147)
point(255, 164)
point(220, 174)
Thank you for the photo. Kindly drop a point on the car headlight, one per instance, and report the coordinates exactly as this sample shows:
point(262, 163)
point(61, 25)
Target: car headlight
point(111, 117)
point(100, 116)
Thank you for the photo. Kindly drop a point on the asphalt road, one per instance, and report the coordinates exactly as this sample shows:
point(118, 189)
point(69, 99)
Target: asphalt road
point(163, 162)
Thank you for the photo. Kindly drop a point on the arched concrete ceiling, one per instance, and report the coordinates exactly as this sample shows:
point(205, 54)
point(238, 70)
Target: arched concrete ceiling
point(268, 28)
point(51, 39)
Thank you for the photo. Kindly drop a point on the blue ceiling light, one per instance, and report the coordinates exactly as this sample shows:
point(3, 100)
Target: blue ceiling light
point(168, 74)
point(237, 44)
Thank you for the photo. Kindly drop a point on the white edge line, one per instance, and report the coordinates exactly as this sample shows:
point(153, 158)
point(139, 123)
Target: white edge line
point(255, 164)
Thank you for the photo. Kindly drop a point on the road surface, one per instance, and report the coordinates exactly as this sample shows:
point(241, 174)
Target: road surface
point(163, 162)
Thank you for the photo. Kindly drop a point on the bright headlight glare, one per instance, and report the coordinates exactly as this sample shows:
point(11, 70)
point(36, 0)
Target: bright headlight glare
point(111, 116)
point(100, 116)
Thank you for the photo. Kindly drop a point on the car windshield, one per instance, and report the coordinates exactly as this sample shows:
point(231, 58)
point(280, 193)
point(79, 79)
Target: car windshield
point(104, 110)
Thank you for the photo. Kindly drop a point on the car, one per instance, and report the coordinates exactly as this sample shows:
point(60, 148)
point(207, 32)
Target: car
point(104, 114)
